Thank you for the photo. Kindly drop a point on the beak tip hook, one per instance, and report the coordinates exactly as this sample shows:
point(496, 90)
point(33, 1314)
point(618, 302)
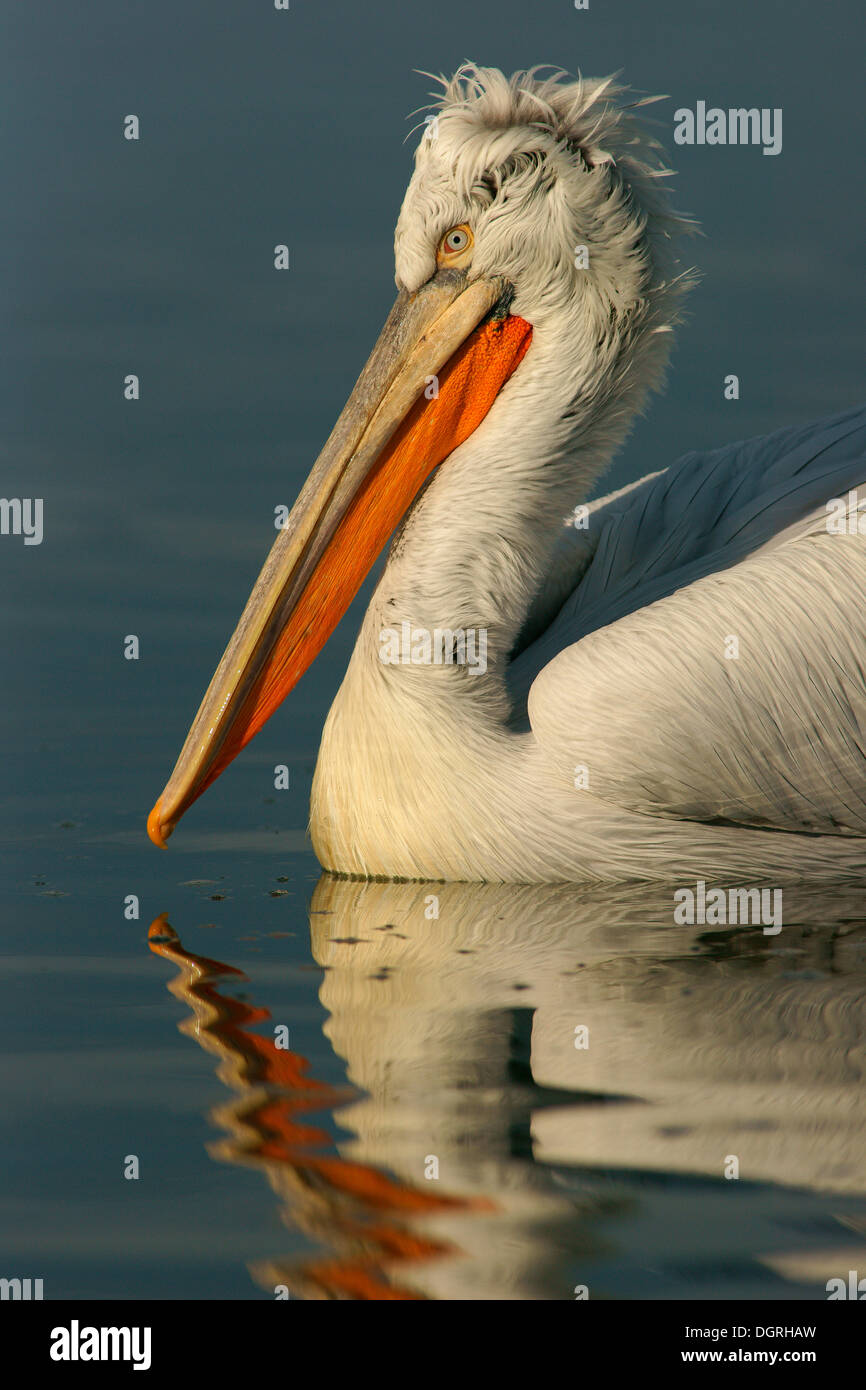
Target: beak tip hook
point(155, 829)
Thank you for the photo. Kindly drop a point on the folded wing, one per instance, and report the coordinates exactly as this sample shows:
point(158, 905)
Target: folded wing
point(710, 664)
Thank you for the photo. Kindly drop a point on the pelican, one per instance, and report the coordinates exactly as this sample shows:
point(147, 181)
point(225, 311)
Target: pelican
point(673, 687)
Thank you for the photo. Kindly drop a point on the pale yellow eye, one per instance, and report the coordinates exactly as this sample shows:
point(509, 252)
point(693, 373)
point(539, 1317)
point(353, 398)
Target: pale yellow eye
point(456, 242)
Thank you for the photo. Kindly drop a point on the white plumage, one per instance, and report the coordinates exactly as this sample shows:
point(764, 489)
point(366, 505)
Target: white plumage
point(609, 649)
point(675, 692)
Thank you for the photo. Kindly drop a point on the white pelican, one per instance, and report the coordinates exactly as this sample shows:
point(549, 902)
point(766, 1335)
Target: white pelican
point(676, 691)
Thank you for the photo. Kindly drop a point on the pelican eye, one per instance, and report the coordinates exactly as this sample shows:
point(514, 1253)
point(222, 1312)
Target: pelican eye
point(455, 242)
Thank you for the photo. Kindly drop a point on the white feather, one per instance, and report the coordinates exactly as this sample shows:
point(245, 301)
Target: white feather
point(699, 766)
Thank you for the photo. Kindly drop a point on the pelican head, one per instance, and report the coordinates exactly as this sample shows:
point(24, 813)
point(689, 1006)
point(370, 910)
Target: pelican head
point(537, 282)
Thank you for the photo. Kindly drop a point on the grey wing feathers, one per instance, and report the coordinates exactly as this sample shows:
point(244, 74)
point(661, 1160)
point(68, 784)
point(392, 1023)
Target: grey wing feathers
point(709, 665)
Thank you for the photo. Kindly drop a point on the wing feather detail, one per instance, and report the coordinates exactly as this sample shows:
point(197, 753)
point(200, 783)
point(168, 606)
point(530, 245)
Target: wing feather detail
point(709, 664)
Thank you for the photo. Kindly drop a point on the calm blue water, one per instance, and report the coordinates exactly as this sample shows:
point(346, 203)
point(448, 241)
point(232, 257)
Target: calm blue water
point(408, 1039)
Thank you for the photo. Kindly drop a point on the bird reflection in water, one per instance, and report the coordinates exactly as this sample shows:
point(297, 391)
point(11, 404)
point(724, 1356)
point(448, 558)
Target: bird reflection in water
point(560, 1167)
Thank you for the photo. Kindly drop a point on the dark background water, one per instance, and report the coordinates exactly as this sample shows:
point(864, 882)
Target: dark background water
point(156, 257)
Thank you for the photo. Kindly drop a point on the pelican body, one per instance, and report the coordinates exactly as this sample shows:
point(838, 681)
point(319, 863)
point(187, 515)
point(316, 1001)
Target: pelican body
point(672, 678)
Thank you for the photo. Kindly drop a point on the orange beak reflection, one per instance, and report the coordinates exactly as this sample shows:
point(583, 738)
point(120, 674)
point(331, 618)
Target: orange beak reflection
point(386, 443)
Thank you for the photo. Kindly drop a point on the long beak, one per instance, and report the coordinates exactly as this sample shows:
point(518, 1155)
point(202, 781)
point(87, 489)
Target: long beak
point(386, 443)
